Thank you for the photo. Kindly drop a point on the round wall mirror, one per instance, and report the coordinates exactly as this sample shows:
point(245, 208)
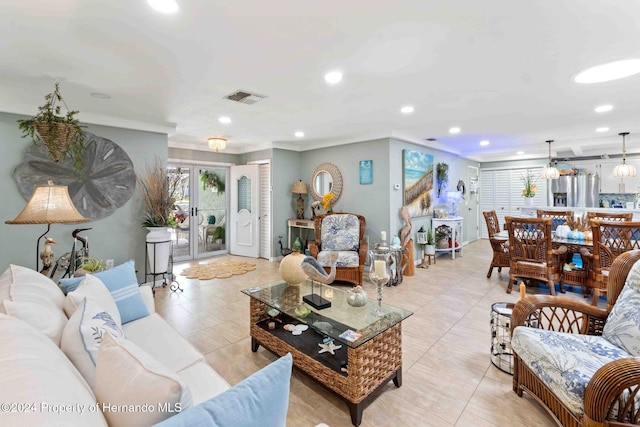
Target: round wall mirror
point(326, 178)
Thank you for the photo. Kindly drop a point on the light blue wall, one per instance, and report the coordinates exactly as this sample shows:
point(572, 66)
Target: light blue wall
point(119, 236)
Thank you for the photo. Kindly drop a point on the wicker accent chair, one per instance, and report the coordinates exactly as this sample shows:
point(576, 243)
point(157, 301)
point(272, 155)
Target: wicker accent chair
point(500, 247)
point(557, 217)
point(531, 252)
point(623, 216)
point(587, 378)
point(610, 239)
point(342, 233)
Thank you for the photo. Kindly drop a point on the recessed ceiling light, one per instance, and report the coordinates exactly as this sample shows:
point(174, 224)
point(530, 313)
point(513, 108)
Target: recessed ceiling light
point(610, 71)
point(520, 152)
point(454, 129)
point(333, 77)
point(100, 95)
point(603, 108)
point(299, 134)
point(164, 6)
point(484, 142)
point(407, 109)
point(224, 119)
point(602, 129)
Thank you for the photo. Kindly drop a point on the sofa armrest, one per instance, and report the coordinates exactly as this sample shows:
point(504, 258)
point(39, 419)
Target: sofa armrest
point(607, 392)
point(558, 314)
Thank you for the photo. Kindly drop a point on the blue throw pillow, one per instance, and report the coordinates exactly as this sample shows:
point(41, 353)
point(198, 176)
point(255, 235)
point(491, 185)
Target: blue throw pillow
point(260, 400)
point(123, 286)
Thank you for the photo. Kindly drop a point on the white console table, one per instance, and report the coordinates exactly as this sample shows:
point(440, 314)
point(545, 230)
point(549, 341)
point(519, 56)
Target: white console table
point(455, 223)
point(299, 224)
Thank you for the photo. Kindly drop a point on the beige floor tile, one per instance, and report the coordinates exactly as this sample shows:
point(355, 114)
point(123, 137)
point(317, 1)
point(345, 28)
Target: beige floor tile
point(448, 378)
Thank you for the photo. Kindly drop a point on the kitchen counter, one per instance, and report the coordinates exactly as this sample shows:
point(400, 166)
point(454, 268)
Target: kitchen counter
point(578, 211)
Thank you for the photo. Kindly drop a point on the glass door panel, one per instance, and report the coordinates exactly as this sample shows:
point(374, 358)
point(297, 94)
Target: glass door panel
point(212, 210)
point(181, 229)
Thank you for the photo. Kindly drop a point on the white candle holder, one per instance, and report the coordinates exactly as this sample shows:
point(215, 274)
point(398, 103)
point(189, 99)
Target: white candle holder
point(379, 275)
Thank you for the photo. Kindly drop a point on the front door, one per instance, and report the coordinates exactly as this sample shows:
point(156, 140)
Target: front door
point(244, 210)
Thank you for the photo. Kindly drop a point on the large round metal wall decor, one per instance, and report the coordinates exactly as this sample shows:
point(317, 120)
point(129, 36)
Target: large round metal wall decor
point(106, 184)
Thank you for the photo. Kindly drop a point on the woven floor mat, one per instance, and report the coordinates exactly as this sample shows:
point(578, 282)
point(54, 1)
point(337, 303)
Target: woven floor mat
point(217, 270)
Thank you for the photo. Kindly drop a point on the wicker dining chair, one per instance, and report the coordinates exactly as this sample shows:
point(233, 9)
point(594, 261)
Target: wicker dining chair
point(622, 216)
point(500, 247)
point(557, 217)
point(610, 239)
point(532, 254)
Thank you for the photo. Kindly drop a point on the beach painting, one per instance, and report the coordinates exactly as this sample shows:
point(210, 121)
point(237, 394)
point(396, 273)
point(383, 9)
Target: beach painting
point(417, 182)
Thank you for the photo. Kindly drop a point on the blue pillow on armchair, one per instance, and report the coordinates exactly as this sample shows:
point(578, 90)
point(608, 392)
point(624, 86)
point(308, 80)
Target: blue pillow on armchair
point(260, 400)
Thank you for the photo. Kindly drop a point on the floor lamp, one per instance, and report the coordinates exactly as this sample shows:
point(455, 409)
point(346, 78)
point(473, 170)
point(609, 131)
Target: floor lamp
point(49, 204)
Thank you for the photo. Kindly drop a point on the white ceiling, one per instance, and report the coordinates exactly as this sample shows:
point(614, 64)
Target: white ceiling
point(502, 70)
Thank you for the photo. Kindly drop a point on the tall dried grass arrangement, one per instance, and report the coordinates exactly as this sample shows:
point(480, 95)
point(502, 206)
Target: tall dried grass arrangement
point(157, 192)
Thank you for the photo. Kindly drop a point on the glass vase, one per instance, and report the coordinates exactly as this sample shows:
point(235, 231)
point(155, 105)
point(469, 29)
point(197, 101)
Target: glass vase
point(379, 275)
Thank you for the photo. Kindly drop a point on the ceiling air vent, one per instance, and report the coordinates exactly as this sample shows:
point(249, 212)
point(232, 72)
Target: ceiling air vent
point(244, 97)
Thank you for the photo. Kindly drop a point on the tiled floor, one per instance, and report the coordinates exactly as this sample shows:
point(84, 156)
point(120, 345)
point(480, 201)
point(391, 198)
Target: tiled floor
point(448, 379)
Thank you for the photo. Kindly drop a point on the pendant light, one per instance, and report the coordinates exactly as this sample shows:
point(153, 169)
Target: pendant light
point(624, 169)
point(550, 172)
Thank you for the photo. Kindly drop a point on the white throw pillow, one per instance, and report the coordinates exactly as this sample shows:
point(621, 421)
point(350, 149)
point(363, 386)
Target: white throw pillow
point(128, 375)
point(83, 336)
point(23, 284)
point(93, 288)
point(45, 318)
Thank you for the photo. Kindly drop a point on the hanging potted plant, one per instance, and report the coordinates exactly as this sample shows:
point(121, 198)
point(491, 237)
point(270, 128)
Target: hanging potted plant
point(211, 180)
point(442, 176)
point(61, 134)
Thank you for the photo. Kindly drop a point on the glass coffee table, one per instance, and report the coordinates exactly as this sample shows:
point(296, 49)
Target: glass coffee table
point(370, 346)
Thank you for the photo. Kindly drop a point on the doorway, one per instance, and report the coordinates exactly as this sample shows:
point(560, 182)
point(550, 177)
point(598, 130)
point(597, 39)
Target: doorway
point(200, 211)
point(473, 205)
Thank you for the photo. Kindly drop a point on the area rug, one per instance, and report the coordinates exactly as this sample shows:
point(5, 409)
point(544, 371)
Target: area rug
point(217, 270)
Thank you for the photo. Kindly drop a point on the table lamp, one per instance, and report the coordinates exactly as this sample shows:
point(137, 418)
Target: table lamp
point(299, 188)
point(49, 204)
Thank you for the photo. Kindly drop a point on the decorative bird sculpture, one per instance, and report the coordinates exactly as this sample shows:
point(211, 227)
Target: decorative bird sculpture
point(283, 251)
point(315, 271)
point(46, 255)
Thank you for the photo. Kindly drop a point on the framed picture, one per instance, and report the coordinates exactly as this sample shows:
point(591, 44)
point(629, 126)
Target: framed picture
point(366, 172)
point(417, 180)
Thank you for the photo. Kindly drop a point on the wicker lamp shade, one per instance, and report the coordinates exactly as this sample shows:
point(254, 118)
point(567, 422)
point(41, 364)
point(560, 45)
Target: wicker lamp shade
point(49, 204)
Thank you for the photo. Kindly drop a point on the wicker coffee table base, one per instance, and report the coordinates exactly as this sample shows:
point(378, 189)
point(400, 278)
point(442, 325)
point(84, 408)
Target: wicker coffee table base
point(370, 366)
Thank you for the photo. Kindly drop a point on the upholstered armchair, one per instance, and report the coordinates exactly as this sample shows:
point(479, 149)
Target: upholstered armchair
point(342, 233)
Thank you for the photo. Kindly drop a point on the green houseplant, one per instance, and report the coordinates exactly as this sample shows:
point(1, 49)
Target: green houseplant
point(430, 247)
point(61, 134)
point(210, 179)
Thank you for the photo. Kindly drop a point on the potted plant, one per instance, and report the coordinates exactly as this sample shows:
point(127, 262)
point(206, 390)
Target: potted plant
point(442, 176)
point(61, 134)
point(211, 180)
point(430, 247)
point(157, 190)
point(90, 264)
point(443, 236)
point(530, 182)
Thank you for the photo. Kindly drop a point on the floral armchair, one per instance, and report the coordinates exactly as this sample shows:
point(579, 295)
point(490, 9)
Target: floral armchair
point(582, 362)
point(342, 233)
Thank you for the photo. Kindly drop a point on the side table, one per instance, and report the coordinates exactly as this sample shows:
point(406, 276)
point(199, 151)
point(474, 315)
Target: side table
point(501, 353)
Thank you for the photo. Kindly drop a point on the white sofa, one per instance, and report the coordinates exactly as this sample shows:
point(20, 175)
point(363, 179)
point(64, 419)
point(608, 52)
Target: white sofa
point(50, 373)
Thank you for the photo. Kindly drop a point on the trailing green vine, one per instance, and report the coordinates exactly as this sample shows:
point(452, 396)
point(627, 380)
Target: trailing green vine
point(210, 179)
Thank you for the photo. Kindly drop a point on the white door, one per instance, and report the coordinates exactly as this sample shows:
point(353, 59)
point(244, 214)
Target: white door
point(471, 201)
point(244, 210)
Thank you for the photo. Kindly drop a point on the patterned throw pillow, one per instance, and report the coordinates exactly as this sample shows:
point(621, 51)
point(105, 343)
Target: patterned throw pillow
point(623, 324)
point(340, 232)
